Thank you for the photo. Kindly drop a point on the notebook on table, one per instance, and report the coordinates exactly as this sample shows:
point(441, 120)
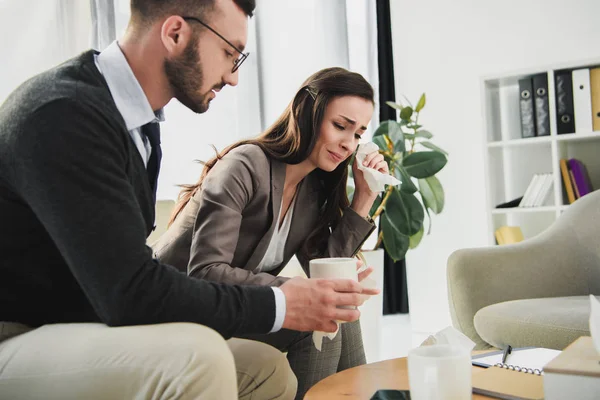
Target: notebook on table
point(506, 384)
point(525, 359)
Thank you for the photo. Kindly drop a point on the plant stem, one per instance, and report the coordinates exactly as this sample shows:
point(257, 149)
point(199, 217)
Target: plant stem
point(412, 145)
point(387, 195)
point(379, 240)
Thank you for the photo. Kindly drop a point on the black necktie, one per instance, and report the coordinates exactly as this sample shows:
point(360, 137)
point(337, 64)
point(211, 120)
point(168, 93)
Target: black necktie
point(152, 132)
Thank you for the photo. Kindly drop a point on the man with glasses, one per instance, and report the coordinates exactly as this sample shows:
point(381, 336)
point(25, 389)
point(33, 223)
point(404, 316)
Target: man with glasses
point(88, 313)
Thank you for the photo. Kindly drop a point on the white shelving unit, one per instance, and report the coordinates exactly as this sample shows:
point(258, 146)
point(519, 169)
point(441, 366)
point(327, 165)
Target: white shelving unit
point(511, 161)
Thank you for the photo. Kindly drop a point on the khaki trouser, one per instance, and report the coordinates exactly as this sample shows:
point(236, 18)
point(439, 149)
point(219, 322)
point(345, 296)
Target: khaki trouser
point(165, 361)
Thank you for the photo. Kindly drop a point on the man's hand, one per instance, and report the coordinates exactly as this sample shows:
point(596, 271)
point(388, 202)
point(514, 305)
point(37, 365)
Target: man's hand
point(363, 274)
point(312, 304)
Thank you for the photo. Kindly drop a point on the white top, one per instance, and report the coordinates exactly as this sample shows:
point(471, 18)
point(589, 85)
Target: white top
point(274, 255)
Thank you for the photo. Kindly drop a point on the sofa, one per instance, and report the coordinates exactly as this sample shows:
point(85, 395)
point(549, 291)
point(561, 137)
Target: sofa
point(532, 293)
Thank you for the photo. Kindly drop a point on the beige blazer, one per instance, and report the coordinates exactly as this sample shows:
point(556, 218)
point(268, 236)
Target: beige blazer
point(224, 231)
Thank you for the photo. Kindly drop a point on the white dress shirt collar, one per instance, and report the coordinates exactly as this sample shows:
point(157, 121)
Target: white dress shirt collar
point(129, 97)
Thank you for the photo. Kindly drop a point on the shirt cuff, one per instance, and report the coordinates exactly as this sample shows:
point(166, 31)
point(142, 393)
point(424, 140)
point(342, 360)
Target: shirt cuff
point(279, 309)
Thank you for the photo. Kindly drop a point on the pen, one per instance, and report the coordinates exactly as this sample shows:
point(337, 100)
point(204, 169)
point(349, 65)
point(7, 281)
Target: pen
point(507, 351)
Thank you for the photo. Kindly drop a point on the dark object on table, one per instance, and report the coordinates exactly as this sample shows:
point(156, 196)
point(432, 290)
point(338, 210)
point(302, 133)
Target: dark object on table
point(391, 395)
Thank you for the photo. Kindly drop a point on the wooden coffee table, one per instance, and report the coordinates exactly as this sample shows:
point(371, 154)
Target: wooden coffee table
point(360, 383)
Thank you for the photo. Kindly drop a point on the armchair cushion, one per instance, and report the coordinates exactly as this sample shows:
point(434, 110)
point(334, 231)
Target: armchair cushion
point(553, 322)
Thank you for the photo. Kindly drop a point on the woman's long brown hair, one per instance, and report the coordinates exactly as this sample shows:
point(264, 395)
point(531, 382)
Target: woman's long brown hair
point(292, 138)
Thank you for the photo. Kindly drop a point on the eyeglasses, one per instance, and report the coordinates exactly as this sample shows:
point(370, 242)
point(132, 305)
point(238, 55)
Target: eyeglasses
point(239, 60)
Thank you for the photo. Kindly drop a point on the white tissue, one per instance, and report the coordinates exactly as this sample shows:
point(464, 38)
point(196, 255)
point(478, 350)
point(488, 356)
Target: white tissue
point(452, 337)
point(318, 337)
point(375, 179)
point(595, 322)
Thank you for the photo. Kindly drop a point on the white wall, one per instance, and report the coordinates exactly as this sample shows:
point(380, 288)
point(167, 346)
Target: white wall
point(443, 48)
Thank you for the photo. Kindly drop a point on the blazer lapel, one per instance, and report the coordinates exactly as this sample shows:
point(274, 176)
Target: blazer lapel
point(305, 216)
point(277, 182)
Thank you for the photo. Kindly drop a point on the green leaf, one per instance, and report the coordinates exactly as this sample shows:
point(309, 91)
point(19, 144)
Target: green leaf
point(424, 164)
point(409, 136)
point(391, 129)
point(428, 215)
point(405, 212)
point(399, 146)
point(433, 193)
point(413, 126)
point(375, 205)
point(396, 244)
point(394, 105)
point(432, 146)
point(407, 184)
point(382, 129)
point(406, 113)
point(381, 142)
point(424, 134)
point(421, 103)
point(416, 238)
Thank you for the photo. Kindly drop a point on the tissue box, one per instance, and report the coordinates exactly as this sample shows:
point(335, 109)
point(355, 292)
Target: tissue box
point(574, 373)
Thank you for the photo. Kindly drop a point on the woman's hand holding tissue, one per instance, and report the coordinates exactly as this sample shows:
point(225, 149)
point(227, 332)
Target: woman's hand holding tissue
point(312, 304)
point(363, 195)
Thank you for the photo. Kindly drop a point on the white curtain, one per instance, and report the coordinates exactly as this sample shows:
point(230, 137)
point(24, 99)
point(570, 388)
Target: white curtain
point(297, 38)
point(37, 35)
point(361, 24)
point(103, 30)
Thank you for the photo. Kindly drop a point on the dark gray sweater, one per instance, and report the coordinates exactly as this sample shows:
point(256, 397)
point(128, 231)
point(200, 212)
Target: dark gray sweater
point(75, 211)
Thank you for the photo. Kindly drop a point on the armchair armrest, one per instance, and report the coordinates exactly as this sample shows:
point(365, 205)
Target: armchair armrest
point(551, 264)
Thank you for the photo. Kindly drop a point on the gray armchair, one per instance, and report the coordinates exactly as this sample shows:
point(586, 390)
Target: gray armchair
point(533, 293)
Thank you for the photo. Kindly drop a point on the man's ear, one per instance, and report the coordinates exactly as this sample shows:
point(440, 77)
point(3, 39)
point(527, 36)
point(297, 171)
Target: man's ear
point(175, 34)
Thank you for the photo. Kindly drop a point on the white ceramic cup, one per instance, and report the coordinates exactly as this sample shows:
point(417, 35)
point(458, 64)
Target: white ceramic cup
point(334, 268)
point(439, 372)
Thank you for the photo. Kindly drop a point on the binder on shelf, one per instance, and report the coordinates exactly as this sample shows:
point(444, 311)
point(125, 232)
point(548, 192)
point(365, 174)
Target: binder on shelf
point(582, 100)
point(564, 102)
point(508, 235)
point(566, 178)
point(595, 94)
point(538, 190)
point(542, 115)
point(545, 189)
point(581, 178)
point(525, 202)
point(575, 189)
point(527, 107)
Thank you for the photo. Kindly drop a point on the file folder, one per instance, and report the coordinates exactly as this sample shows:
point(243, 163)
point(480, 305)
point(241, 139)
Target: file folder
point(564, 102)
point(582, 100)
point(527, 108)
point(595, 90)
point(542, 115)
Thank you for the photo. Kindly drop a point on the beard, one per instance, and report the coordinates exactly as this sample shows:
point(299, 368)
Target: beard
point(185, 78)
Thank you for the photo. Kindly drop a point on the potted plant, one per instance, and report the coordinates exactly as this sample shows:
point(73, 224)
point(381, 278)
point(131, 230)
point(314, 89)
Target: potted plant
point(414, 160)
